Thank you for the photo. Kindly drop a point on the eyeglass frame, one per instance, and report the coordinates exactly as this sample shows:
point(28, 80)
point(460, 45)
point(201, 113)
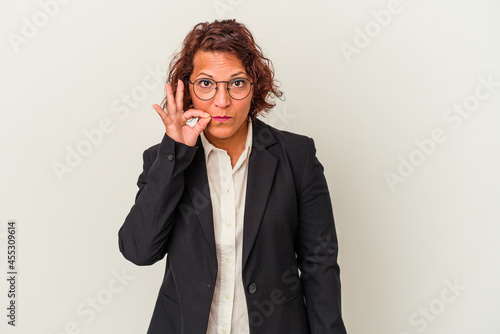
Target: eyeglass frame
point(217, 87)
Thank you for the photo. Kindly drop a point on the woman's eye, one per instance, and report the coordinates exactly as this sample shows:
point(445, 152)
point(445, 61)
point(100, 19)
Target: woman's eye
point(238, 83)
point(205, 83)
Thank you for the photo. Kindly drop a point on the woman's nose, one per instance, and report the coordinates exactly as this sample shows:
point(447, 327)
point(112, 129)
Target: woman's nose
point(222, 98)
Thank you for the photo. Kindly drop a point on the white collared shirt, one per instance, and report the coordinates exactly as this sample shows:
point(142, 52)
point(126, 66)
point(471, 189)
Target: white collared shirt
point(228, 313)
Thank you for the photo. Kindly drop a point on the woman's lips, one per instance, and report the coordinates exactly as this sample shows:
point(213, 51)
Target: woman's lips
point(221, 118)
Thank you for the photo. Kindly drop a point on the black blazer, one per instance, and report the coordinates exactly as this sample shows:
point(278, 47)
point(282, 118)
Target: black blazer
point(288, 226)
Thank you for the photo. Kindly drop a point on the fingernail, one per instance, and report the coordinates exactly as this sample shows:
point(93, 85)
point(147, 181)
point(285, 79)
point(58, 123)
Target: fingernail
point(207, 115)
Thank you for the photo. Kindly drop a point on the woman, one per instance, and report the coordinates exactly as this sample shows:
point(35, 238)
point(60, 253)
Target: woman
point(238, 206)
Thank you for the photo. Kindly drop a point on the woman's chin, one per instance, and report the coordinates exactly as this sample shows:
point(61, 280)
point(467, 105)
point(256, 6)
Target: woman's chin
point(218, 132)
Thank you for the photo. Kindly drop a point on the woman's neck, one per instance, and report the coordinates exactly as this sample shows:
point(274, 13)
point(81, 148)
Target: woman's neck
point(234, 145)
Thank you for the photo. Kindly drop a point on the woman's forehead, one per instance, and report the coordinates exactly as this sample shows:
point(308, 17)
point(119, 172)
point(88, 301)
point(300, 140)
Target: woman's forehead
point(213, 63)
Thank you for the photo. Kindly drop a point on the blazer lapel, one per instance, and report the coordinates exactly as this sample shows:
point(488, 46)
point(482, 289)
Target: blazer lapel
point(199, 191)
point(261, 170)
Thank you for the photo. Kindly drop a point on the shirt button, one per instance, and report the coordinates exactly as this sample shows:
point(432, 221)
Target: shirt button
point(228, 224)
point(252, 288)
point(228, 296)
point(224, 331)
point(228, 259)
point(170, 156)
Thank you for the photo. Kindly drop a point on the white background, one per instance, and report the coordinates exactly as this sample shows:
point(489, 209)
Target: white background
point(401, 245)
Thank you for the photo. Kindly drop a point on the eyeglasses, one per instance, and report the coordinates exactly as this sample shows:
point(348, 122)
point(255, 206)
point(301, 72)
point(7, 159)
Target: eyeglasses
point(205, 89)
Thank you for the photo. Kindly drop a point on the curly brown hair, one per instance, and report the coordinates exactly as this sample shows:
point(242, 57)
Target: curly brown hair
point(226, 36)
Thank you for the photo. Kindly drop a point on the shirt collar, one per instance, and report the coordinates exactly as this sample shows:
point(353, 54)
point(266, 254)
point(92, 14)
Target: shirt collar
point(208, 147)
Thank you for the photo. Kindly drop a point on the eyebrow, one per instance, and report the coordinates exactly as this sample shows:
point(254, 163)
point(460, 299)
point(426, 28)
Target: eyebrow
point(212, 77)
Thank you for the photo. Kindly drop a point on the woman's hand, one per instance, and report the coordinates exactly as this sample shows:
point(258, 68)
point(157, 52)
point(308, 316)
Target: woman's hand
point(175, 119)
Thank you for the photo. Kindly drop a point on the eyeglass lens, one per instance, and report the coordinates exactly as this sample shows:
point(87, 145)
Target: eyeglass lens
point(238, 88)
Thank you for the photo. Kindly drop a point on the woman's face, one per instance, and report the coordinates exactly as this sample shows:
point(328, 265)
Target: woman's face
point(229, 116)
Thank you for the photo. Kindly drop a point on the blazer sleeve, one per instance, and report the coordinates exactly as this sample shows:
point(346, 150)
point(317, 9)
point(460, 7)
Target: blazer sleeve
point(317, 249)
point(143, 237)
